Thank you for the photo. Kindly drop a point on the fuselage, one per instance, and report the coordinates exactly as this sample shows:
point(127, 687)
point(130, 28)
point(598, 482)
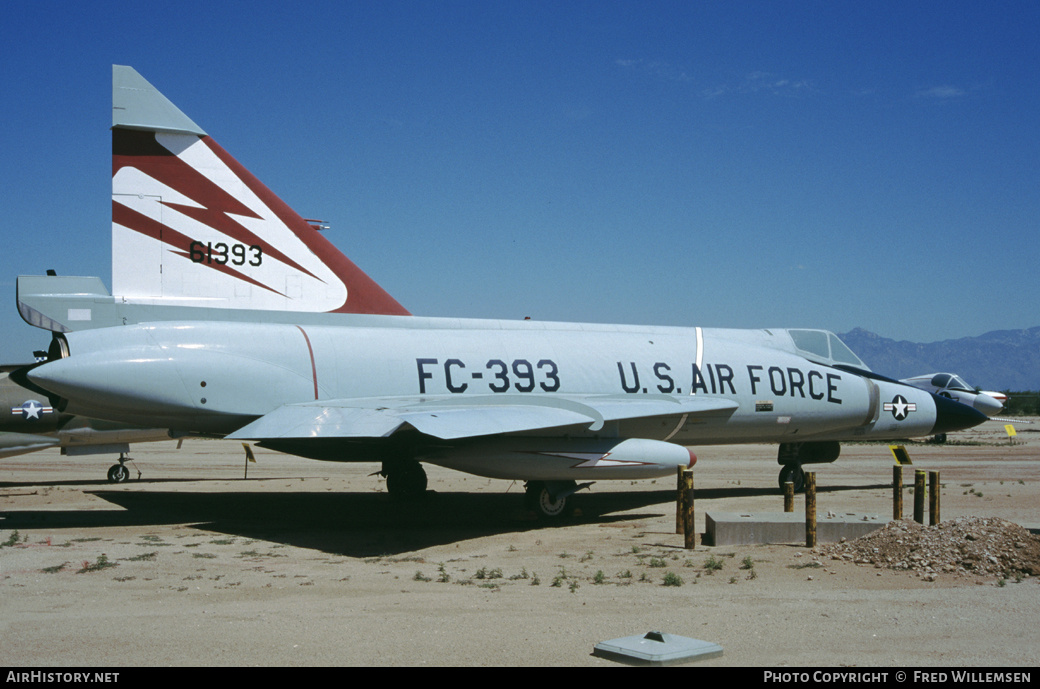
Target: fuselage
point(213, 377)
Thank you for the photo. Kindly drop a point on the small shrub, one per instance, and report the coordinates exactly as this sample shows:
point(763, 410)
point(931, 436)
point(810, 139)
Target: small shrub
point(101, 563)
point(672, 579)
point(143, 557)
point(712, 564)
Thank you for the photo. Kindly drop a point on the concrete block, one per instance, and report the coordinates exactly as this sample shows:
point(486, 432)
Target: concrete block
point(734, 528)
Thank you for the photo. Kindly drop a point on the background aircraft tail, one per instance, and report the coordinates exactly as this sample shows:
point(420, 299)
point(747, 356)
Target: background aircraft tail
point(192, 227)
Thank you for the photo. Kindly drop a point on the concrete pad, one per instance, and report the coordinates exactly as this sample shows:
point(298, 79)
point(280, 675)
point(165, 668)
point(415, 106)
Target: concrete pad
point(734, 528)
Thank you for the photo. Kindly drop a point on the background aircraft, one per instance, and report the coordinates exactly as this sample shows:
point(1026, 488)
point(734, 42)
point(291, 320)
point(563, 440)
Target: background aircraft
point(29, 422)
point(953, 387)
point(234, 317)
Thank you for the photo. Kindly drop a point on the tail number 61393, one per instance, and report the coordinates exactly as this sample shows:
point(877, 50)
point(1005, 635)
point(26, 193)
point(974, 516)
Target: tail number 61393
point(222, 254)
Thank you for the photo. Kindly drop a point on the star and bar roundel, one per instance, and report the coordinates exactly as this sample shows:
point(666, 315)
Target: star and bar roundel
point(900, 408)
point(31, 410)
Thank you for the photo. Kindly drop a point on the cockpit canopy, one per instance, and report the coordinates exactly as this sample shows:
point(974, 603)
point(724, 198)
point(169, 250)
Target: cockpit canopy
point(825, 346)
point(951, 382)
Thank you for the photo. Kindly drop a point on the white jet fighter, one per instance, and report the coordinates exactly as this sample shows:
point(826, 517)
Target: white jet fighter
point(234, 317)
point(953, 387)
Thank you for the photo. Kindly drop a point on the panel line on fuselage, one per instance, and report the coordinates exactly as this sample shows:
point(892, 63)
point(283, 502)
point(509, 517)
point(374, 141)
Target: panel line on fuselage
point(699, 354)
point(310, 353)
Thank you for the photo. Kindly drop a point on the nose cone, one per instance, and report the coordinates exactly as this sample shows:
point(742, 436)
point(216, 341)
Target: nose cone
point(953, 416)
point(986, 404)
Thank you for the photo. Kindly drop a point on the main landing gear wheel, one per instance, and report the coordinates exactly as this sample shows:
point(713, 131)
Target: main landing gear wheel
point(792, 473)
point(545, 502)
point(406, 481)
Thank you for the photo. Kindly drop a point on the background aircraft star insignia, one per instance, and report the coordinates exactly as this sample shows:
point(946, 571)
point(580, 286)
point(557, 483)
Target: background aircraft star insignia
point(31, 410)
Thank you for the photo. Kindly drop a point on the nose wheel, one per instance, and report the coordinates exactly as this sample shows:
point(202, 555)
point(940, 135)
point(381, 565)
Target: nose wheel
point(120, 473)
point(792, 473)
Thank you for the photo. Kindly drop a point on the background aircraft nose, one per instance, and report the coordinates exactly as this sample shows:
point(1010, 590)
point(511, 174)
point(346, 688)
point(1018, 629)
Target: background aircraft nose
point(986, 404)
point(954, 416)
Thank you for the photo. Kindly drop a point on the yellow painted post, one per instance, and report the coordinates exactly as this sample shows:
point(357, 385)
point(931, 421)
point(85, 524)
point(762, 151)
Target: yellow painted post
point(679, 499)
point(919, 496)
point(689, 530)
point(897, 492)
point(810, 509)
point(788, 497)
point(933, 498)
point(249, 458)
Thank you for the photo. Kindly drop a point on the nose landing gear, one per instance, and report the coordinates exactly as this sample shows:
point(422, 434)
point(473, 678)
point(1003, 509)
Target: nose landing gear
point(792, 473)
point(793, 455)
point(119, 473)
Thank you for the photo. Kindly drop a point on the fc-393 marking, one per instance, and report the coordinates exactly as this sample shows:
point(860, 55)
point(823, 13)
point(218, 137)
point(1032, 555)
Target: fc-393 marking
point(519, 375)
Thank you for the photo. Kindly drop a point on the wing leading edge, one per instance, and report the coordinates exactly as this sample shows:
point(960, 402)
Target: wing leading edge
point(451, 419)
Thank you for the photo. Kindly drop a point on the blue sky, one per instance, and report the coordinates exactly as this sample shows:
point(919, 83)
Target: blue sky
point(787, 164)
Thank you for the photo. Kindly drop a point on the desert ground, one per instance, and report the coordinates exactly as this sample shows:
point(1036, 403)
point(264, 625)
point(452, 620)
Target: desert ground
point(307, 563)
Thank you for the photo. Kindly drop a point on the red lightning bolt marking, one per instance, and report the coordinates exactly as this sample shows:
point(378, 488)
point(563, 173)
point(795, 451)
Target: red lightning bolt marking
point(140, 150)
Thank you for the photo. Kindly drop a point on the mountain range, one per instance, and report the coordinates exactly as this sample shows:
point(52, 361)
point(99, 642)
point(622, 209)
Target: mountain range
point(999, 360)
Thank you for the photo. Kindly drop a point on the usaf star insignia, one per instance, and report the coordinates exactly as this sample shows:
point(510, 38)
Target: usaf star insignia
point(31, 410)
point(900, 408)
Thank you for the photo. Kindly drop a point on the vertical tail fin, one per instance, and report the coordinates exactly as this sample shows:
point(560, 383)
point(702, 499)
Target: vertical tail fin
point(192, 227)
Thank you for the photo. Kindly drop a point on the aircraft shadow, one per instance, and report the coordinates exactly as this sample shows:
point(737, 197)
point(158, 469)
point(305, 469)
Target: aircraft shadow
point(363, 524)
point(101, 482)
point(351, 524)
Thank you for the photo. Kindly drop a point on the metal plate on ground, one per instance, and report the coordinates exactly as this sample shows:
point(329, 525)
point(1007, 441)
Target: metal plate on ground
point(656, 649)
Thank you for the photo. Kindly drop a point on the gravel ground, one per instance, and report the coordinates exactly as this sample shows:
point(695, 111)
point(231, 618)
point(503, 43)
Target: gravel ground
point(309, 563)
